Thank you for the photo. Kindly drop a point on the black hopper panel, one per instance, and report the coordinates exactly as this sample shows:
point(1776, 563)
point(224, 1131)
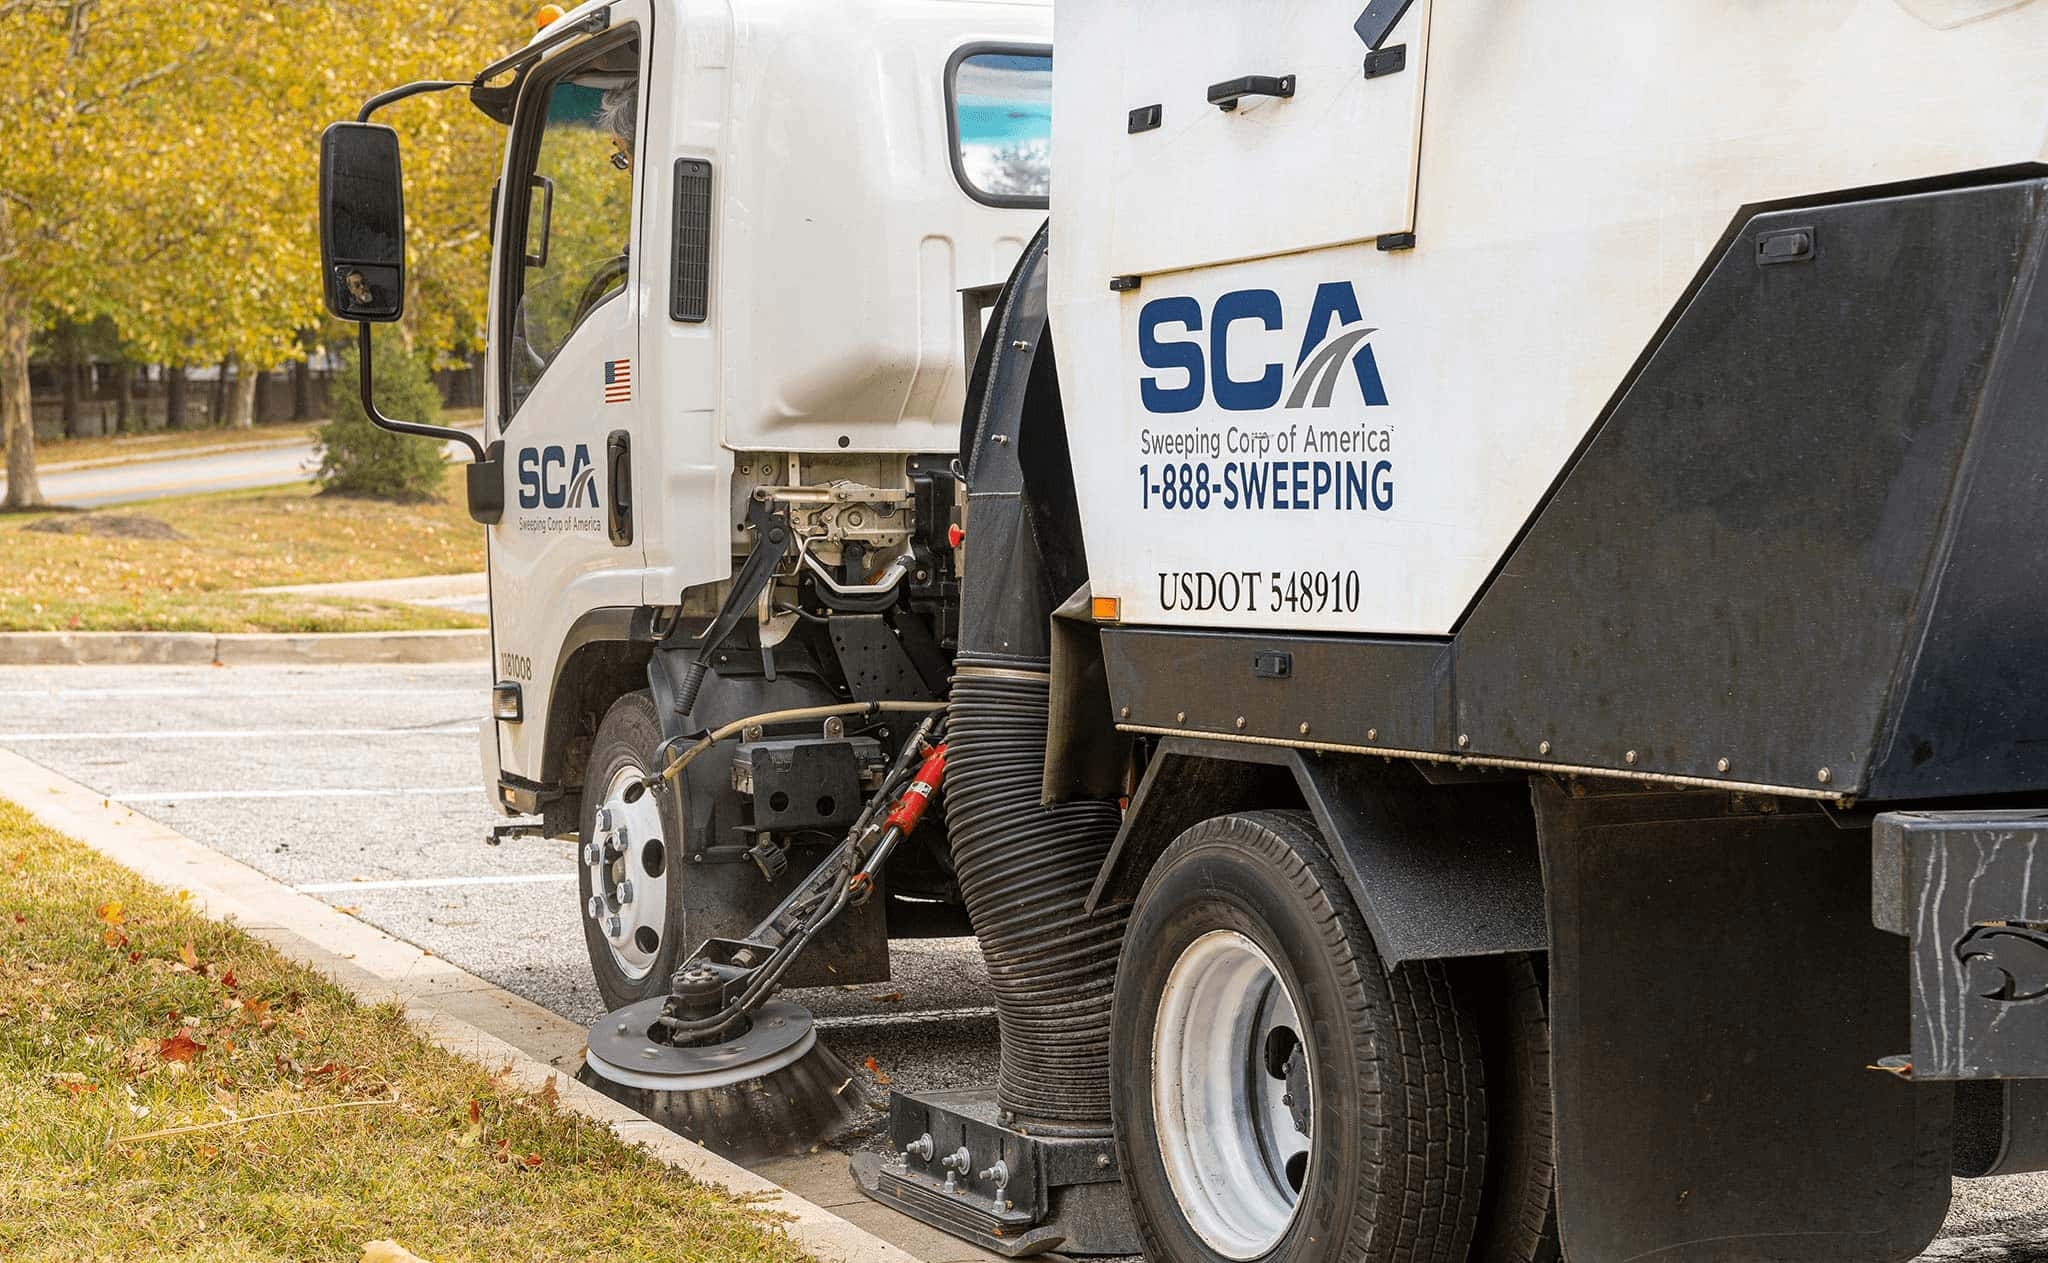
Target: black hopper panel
point(1735, 568)
point(1972, 717)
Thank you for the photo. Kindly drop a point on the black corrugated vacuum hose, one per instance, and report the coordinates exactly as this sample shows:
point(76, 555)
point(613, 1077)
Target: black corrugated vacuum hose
point(1025, 870)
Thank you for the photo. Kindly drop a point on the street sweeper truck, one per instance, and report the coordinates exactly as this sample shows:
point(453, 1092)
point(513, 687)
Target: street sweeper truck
point(1453, 592)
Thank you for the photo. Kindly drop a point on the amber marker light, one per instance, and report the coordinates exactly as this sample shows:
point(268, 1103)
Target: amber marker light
point(547, 15)
point(1106, 609)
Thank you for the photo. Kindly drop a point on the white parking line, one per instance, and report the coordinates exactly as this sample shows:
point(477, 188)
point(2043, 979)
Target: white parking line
point(102, 694)
point(237, 734)
point(431, 883)
point(205, 795)
point(901, 1016)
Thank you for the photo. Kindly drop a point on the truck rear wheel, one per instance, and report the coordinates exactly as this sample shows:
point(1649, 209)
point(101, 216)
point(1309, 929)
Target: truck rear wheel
point(628, 875)
point(1518, 1215)
point(1278, 1094)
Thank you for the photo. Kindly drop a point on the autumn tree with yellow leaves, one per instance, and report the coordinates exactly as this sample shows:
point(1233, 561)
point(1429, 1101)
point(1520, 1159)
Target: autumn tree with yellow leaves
point(160, 171)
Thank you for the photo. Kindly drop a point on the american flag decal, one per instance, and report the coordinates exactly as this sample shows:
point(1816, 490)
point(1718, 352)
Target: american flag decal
point(618, 381)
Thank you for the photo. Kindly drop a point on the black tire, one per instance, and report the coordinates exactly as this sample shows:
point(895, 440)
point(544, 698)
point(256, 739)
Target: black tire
point(629, 736)
point(1518, 1214)
point(1396, 1172)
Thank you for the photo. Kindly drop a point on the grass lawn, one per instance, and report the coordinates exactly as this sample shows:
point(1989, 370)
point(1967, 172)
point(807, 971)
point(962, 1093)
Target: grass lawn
point(125, 447)
point(225, 543)
point(173, 1089)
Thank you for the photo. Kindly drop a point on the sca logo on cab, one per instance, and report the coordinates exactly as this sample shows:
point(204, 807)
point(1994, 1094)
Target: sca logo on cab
point(1171, 337)
point(549, 478)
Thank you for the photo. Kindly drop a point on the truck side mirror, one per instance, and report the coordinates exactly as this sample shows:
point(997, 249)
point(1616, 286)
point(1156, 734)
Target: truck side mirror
point(362, 222)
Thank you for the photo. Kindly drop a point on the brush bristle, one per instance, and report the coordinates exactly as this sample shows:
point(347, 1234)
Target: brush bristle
point(787, 1111)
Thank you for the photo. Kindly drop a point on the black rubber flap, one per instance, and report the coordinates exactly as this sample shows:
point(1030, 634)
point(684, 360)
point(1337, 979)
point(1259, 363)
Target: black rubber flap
point(1718, 995)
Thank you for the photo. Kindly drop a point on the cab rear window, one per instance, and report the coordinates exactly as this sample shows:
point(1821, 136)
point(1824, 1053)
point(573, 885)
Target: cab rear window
point(999, 98)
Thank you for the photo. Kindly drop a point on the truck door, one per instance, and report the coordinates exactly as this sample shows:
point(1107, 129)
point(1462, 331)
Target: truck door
point(1207, 172)
point(568, 399)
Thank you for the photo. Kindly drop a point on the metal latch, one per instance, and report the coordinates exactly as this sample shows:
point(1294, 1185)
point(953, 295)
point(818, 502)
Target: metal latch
point(1225, 95)
point(1786, 245)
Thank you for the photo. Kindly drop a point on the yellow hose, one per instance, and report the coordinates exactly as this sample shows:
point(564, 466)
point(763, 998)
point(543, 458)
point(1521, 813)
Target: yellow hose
point(719, 734)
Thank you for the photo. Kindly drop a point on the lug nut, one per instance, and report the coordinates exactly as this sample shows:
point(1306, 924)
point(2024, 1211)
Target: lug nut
point(595, 908)
point(603, 819)
point(590, 855)
point(613, 927)
point(625, 892)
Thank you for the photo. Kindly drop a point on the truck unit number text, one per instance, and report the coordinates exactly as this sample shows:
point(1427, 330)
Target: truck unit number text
point(1253, 591)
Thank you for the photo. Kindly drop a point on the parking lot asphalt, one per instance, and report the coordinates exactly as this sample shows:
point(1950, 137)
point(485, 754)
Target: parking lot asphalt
point(362, 785)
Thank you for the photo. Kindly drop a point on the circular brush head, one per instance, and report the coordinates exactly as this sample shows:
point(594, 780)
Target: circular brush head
point(770, 1091)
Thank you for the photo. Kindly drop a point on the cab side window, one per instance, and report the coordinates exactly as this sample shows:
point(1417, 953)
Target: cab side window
point(999, 111)
point(579, 215)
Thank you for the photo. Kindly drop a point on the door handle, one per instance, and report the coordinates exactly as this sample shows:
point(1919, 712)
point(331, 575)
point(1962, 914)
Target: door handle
point(618, 460)
point(547, 218)
point(1225, 95)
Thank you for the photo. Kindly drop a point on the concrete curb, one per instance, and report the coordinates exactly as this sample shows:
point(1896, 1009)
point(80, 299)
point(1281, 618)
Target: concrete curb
point(452, 1007)
point(242, 648)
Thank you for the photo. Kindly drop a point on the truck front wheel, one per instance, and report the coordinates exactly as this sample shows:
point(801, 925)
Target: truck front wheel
point(1279, 1095)
point(630, 842)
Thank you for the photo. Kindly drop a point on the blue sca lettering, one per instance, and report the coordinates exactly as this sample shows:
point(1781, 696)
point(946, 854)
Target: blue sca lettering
point(545, 483)
point(1334, 334)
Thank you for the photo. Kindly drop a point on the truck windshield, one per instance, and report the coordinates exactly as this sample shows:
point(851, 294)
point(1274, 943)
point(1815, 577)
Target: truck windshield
point(580, 219)
point(1001, 100)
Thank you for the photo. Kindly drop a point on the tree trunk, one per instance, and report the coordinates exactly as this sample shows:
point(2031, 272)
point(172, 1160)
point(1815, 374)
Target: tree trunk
point(124, 398)
point(217, 409)
point(94, 420)
point(66, 346)
point(174, 396)
point(302, 389)
point(243, 416)
point(17, 420)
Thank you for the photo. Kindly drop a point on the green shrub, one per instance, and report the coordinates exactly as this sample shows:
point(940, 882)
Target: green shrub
point(357, 458)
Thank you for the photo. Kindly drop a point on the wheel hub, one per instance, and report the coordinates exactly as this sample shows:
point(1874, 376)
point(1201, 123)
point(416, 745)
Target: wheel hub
point(627, 860)
point(1232, 1094)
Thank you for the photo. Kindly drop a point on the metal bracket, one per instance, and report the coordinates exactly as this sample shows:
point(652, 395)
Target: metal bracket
point(958, 1167)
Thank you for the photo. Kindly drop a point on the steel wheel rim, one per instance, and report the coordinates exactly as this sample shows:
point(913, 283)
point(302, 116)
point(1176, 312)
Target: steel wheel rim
point(1234, 1155)
point(627, 858)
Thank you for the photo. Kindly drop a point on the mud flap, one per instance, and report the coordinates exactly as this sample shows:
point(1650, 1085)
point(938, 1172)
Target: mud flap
point(1718, 994)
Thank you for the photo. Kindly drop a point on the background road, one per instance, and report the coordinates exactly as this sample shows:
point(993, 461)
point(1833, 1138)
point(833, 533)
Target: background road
point(94, 485)
point(362, 785)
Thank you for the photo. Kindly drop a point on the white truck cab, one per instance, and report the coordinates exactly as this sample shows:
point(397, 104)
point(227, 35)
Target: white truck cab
point(732, 244)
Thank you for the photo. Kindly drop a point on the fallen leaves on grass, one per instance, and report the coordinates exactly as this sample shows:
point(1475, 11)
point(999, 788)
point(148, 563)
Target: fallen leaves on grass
point(180, 1047)
point(110, 912)
point(72, 1082)
point(511, 1157)
point(189, 957)
point(388, 1252)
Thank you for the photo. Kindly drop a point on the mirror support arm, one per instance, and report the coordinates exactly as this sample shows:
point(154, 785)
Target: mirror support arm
point(378, 419)
point(394, 425)
point(383, 99)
